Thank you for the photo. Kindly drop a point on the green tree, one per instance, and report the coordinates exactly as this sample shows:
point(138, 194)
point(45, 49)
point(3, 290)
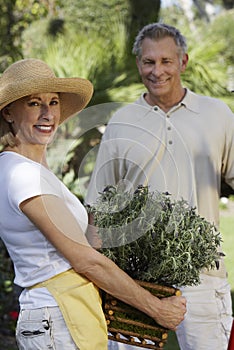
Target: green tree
point(16, 16)
point(141, 12)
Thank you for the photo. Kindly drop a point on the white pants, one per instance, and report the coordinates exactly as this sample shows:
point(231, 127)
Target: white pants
point(207, 324)
point(208, 320)
point(43, 329)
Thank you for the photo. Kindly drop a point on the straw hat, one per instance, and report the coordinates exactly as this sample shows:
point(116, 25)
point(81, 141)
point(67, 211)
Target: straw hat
point(30, 76)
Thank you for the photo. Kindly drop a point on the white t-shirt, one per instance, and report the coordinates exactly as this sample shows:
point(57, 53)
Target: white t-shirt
point(35, 258)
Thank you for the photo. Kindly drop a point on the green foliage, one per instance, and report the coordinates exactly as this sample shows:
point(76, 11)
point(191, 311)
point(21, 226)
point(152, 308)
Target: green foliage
point(206, 73)
point(16, 16)
point(85, 54)
point(153, 238)
point(221, 29)
point(210, 48)
point(92, 46)
point(95, 16)
point(8, 297)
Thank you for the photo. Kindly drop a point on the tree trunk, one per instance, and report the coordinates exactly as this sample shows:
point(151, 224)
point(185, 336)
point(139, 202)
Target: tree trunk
point(228, 4)
point(142, 12)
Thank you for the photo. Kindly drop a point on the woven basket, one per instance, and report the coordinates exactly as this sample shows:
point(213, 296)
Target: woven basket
point(128, 325)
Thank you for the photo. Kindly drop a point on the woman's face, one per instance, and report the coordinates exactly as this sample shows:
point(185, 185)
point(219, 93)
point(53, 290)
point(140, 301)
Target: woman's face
point(34, 118)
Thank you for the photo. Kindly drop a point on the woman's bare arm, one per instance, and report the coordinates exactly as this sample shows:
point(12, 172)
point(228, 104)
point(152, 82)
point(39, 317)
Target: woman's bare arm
point(60, 227)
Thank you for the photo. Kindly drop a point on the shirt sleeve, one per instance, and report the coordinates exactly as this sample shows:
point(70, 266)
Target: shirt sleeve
point(26, 181)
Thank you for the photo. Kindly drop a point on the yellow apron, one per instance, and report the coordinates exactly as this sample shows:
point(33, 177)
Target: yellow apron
point(80, 303)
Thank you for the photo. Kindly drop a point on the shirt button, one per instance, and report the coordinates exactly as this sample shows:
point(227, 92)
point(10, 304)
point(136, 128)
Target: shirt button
point(170, 142)
point(155, 108)
point(168, 128)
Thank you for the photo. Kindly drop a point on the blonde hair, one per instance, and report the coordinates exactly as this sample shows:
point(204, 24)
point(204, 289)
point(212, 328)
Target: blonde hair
point(7, 137)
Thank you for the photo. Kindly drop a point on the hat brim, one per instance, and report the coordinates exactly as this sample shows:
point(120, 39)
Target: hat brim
point(75, 93)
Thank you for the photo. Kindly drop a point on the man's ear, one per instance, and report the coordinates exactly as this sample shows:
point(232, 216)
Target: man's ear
point(184, 62)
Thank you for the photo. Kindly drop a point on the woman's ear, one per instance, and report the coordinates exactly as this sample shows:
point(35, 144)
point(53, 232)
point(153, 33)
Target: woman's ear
point(7, 115)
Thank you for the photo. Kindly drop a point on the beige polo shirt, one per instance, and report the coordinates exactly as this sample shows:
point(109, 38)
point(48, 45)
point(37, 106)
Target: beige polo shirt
point(184, 151)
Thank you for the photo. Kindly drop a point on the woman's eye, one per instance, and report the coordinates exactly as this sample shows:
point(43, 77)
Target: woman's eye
point(54, 102)
point(33, 103)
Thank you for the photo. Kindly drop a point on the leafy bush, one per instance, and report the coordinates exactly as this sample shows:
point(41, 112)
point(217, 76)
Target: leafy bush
point(153, 238)
point(8, 294)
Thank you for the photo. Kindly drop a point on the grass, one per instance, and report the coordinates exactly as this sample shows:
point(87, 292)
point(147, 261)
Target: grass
point(227, 230)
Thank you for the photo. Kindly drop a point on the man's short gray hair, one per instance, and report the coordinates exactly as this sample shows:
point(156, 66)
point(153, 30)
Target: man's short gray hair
point(157, 31)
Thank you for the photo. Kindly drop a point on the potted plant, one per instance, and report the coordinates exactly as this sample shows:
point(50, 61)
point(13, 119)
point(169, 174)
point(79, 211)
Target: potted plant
point(161, 243)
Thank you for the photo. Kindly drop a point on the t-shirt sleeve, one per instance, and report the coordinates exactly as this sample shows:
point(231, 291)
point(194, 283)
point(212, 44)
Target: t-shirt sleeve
point(27, 181)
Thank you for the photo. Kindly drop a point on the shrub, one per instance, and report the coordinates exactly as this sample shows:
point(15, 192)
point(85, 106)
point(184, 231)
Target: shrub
point(153, 238)
point(8, 294)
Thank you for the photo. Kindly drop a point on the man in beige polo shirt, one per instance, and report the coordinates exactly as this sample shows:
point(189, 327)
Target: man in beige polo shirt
point(177, 141)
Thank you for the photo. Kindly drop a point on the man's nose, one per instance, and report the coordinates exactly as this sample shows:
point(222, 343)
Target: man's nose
point(157, 69)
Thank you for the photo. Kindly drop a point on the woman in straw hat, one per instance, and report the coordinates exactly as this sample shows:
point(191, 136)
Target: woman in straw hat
point(60, 305)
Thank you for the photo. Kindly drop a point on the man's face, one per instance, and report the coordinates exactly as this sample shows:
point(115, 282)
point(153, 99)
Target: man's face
point(160, 66)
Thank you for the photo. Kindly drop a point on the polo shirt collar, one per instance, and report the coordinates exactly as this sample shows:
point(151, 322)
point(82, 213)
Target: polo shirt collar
point(190, 101)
